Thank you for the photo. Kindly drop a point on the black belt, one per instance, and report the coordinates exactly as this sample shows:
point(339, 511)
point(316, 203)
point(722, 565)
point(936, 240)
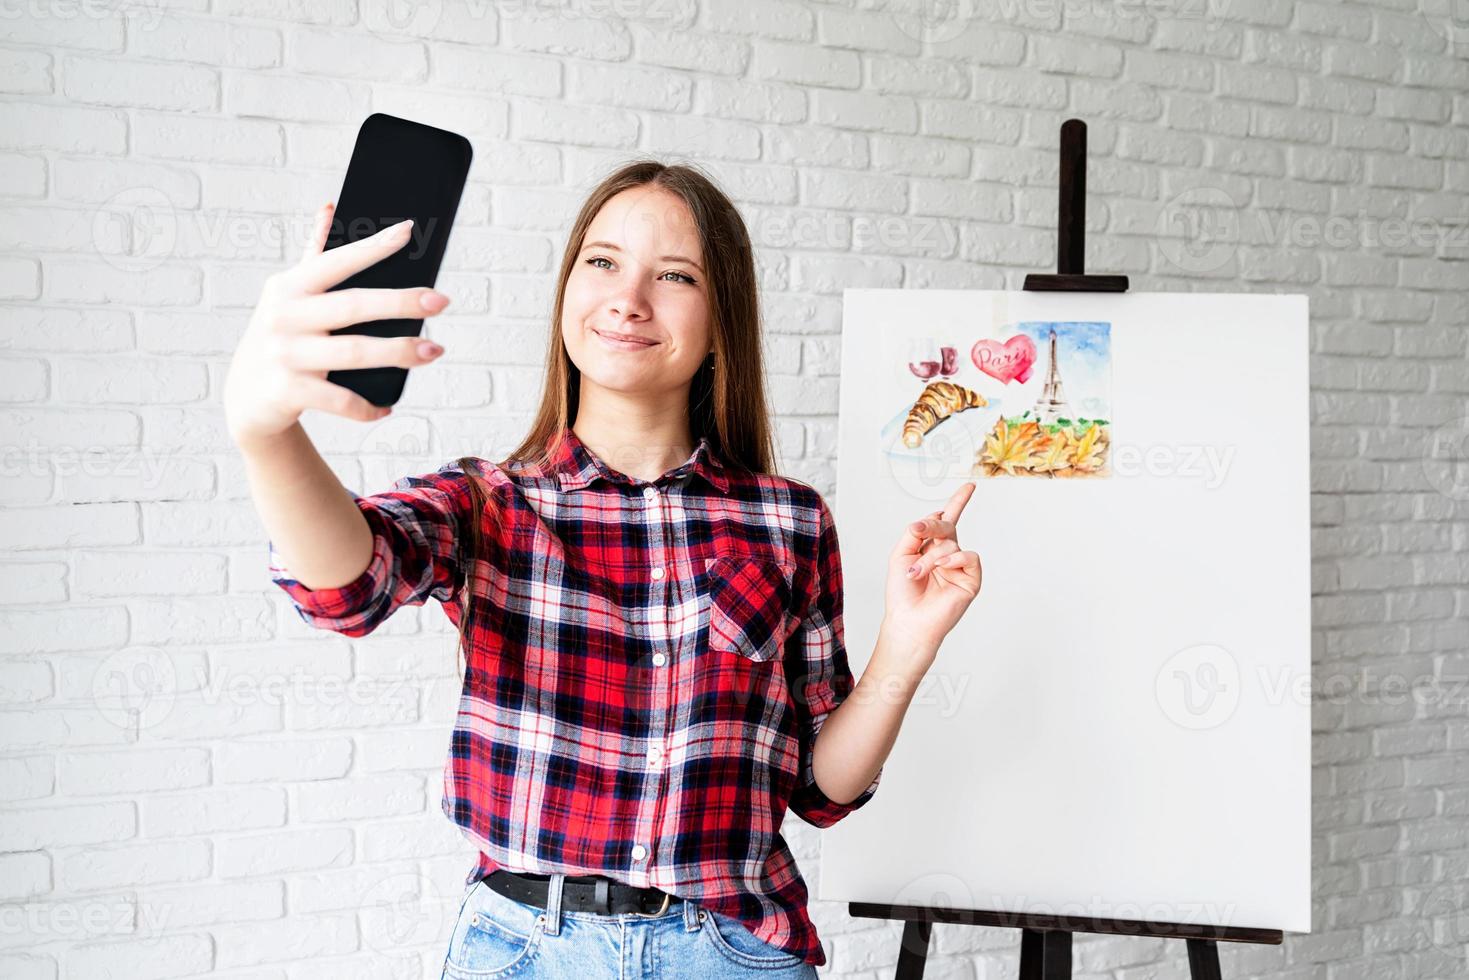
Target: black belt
point(580, 893)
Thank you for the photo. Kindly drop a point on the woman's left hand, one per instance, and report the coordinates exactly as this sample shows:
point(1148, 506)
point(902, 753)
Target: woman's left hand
point(923, 606)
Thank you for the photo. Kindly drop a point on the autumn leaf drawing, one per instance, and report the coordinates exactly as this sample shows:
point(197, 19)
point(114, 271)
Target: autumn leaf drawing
point(1091, 450)
point(1010, 447)
point(1054, 456)
point(1024, 447)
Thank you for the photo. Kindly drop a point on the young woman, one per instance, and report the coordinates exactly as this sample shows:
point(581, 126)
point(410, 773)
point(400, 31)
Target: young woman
point(650, 618)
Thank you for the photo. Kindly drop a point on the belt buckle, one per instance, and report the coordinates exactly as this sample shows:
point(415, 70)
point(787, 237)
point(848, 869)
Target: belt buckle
point(652, 915)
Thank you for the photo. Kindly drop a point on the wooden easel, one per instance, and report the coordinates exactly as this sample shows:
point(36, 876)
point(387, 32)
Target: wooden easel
point(1045, 940)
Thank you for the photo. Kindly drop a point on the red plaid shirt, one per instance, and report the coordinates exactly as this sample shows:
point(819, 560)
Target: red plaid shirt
point(649, 665)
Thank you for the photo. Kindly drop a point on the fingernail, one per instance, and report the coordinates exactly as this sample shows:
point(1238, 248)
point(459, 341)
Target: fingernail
point(433, 302)
point(401, 229)
point(916, 526)
point(429, 349)
point(912, 570)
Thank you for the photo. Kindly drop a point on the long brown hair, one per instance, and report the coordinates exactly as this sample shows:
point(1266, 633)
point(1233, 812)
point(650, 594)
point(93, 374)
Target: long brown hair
point(727, 394)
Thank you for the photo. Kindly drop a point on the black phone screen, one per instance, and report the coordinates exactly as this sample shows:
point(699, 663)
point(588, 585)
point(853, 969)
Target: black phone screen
point(399, 169)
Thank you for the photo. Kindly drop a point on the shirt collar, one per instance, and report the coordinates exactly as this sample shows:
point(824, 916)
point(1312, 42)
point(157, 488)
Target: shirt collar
point(576, 466)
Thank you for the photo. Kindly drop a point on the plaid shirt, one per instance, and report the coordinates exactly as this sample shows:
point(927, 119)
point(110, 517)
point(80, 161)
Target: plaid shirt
point(649, 665)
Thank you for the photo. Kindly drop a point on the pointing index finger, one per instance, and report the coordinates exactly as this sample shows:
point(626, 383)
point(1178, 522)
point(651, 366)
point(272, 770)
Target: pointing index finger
point(319, 231)
point(324, 270)
point(957, 502)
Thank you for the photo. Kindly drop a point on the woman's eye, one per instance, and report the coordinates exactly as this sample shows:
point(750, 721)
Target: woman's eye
point(602, 258)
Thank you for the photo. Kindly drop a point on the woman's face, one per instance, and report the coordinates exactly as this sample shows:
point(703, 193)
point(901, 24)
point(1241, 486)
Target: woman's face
point(635, 314)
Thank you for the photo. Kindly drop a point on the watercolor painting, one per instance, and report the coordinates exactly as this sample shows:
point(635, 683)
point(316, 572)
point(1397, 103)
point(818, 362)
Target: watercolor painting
point(1033, 399)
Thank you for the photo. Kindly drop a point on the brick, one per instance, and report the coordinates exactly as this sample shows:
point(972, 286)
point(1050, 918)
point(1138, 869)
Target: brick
point(584, 125)
point(291, 97)
point(342, 800)
point(134, 771)
point(269, 761)
point(130, 381)
point(754, 101)
point(146, 959)
point(561, 32)
point(25, 72)
point(71, 628)
point(777, 61)
point(717, 138)
point(24, 876)
point(686, 50)
point(463, 23)
point(71, 280)
point(321, 51)
point(102, 574)
point(135, 865)
point(865, 111)
point(968, 121)
point(67, 826)
point(95, 27)
point(140, 84)
point(199, 139)
point(916, 76)
point(26, 778)
point(178, 36)
point(336, 12)
point(283, 852)
point(873, 30)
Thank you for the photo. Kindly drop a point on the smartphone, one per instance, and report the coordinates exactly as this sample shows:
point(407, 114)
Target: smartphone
point(399, 169)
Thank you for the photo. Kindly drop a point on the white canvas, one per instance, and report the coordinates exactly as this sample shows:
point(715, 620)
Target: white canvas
point(1120, 725)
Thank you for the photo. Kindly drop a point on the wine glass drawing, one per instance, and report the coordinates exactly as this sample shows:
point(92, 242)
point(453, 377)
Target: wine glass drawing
point(948, 361)
point(924, 357)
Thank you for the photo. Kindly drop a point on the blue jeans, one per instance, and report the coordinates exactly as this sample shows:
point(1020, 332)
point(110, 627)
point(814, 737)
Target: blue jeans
point(498, 937)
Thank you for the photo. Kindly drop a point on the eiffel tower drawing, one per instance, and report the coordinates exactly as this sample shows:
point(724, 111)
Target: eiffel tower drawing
point(1052, 403)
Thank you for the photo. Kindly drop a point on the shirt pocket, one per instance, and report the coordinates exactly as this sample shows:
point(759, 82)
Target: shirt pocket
point(749, 605)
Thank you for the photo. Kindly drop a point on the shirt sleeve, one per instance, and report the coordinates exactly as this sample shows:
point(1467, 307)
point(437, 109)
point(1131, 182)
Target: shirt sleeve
point(817, 652)
point(415, 537)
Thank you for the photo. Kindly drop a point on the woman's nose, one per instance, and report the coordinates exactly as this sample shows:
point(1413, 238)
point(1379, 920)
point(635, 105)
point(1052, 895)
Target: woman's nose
point(630, 301)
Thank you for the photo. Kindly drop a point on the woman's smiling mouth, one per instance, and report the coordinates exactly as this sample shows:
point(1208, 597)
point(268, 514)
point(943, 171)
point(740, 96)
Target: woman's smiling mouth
point(622, 341)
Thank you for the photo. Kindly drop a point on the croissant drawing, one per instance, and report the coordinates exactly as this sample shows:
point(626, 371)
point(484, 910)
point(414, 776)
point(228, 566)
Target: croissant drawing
point(938, 401)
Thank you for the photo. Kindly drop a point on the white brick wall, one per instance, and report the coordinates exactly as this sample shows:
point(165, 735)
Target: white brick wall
point(193, 783)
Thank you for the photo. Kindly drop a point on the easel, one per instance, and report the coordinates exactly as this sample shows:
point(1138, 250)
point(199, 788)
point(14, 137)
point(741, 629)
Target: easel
point(1045, 940)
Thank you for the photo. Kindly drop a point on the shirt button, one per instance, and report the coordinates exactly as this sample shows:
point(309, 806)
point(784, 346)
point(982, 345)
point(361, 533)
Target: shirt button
point(639, 852)
point(659, 660)
point(650, 492)
point(653, 754)
point(658, 573)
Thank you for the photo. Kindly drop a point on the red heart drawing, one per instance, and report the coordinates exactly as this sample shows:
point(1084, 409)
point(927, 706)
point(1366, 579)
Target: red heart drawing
point(1005, 362)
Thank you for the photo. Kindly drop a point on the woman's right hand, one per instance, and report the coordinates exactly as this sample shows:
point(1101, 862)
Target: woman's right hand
point(279, 368)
